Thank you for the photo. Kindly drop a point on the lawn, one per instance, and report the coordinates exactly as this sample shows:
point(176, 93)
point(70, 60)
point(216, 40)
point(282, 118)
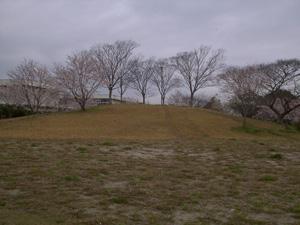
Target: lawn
point(118, 165)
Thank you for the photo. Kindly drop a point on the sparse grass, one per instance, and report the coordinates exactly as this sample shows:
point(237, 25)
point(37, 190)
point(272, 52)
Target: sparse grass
point(81, 149)
point(150, 183)
point(71, 178)
point(108, 143)
point(268, 178)
point(276, 156)
point(296, 209)
point(164, 165)
point(119, 200)
point(248, 129)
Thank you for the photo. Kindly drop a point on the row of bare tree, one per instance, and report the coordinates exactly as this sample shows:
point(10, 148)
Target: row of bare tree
point(116, 67)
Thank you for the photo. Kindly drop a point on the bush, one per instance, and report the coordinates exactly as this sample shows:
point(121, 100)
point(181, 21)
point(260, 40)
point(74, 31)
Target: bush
point(10, 111)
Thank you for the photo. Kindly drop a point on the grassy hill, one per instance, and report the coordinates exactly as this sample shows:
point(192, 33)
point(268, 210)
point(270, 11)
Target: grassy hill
point(147, 165)
point(136, 122)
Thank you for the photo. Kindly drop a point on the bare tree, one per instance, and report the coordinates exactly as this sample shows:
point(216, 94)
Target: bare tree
point(79, 77)
point(197, 67)
point(141, 77)
point(125, 77)
point(244, 87)
point(112, 60)
point(163, 78)
point(281, 87)
point(31, 83)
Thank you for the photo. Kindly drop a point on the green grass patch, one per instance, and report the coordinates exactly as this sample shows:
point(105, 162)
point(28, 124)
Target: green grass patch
point(248, 129)
point(296, 209)
point(235, 168)
point(2, 204)
point(81, 149)
point(276, 156)
point(268, 178)
point(108, 143)
point(119, 200)
point(291, 128)
point(73, 178)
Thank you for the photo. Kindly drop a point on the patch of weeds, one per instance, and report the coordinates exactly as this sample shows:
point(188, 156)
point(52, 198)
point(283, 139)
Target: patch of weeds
point(247, 129)
point(60, 221)
point(195, 197)
point(296, 209)
point(217, 149)
point(241, 218)
point(276, 156)
point(2, 204)
point(291, 129)
point(34, 145)
point(71, 178)
point(127, 148)
point(119, 200)
point(268, 178)
point(236, 168)
point(108, 143)
point(81, 149)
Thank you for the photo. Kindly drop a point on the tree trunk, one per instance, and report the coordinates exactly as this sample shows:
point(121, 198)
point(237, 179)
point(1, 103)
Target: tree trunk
point(144, 98)
point(121, 96)
point(110, 95)
point(82, 106)
point(192, 99)
point(162, 100)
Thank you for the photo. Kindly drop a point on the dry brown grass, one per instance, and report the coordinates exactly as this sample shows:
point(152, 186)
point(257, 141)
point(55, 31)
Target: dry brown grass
point(135, 122)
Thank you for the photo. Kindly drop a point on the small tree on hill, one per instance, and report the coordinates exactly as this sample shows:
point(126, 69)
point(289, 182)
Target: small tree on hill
point(142, 74)
point(112, 60)
point(243, 86)
point(31, 85)
point(163, 78)
point(198, 67)
point(79, 77)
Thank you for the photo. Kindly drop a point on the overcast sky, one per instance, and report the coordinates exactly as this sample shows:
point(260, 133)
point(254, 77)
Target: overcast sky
point(249, 31)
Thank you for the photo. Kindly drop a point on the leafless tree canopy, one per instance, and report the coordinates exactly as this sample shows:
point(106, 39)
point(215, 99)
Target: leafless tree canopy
point(280, 82)
point(141, 76)
point(197, 67)
point(112, 60)
point(31, 83)
point(79, 76)
point(244, 85)
point(163, 78)
point(125, 77)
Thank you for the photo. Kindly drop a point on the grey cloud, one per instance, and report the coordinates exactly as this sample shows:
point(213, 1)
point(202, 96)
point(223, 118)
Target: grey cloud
point(249, 31)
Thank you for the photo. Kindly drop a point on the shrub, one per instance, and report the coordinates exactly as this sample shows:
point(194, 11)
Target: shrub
point(10, 111)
